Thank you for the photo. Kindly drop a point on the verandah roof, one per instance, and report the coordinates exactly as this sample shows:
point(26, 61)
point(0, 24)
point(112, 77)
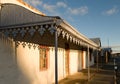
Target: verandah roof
point(15, 18)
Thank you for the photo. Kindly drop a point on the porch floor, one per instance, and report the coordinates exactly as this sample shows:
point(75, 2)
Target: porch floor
point(96, 77)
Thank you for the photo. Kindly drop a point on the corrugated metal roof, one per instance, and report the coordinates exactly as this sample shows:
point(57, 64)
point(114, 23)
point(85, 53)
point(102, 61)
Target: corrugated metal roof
point(12, 14)
point(23, 4)
point(16, 15)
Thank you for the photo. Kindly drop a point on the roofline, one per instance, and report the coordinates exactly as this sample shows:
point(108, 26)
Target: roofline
point(61, 23)
point(77, 34)
point(97, 38)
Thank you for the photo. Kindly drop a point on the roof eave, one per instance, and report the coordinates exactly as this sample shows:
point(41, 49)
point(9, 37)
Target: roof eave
point(73, 31)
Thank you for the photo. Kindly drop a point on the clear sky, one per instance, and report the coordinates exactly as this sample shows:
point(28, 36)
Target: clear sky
point(93, 18)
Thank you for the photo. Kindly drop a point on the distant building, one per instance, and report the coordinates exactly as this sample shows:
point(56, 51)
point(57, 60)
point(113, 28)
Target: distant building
point(97, 53)
point(107, 53)
point(115, 54)
point(30, 41)
point(97, 41)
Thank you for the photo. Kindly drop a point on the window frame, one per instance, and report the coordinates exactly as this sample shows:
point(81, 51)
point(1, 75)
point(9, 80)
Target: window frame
point(43, 59)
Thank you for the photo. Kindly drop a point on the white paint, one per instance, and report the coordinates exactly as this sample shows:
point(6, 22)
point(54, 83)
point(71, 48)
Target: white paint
point(28, 62)
point(9, 73)
point(73, 61)
point(84, 59)
point(24, 67)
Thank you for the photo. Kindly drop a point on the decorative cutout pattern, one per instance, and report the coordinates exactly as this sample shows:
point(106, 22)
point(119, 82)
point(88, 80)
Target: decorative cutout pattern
point(42, 29)
point(34, 46)
point(24, 44)
point(71, 38)
point(29, 45)
point(63, 34)
point(67, 36)
point(52, 29)
point(6, 33)
point(23, 31)
point(59, 31)
point(15, 31)
point(31, 31)
point(17, 43)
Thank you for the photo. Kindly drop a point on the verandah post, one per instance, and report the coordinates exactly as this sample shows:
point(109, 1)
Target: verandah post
point(88, 63)
point(56, 55)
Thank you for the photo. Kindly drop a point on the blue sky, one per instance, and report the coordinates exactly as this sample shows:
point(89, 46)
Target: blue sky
point(93, 18)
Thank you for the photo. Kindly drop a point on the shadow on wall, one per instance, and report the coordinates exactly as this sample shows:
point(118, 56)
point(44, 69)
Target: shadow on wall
point(9, 72)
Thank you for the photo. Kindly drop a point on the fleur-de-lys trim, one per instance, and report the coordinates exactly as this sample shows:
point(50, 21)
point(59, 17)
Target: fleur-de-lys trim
point(23, 31)
point(32, 31)
point(41, 30)
point(52, 29)
point(14, 33)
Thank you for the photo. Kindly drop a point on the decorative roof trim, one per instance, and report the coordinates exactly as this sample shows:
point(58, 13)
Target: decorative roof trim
point(66, 29)
point(27, 24)
point(61, 26)
point(76, 34)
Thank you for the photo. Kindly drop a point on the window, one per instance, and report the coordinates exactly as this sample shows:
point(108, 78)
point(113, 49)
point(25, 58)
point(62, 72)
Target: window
point(43, 58)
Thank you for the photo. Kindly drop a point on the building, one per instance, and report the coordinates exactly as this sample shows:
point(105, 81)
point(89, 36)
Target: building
point(107, 54)
point(97, 53)
point(36, 49)
point(115, 54)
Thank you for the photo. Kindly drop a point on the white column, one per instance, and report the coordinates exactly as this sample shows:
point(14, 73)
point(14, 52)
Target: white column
point(97, 61)
point(88, 63)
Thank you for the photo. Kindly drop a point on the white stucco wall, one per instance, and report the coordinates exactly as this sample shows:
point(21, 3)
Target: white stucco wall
point(84, 59)
point(24, 63)
point(51, 65)
point(61, 64)
point(73, 61)
point(8, 67)
point(28, 61)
